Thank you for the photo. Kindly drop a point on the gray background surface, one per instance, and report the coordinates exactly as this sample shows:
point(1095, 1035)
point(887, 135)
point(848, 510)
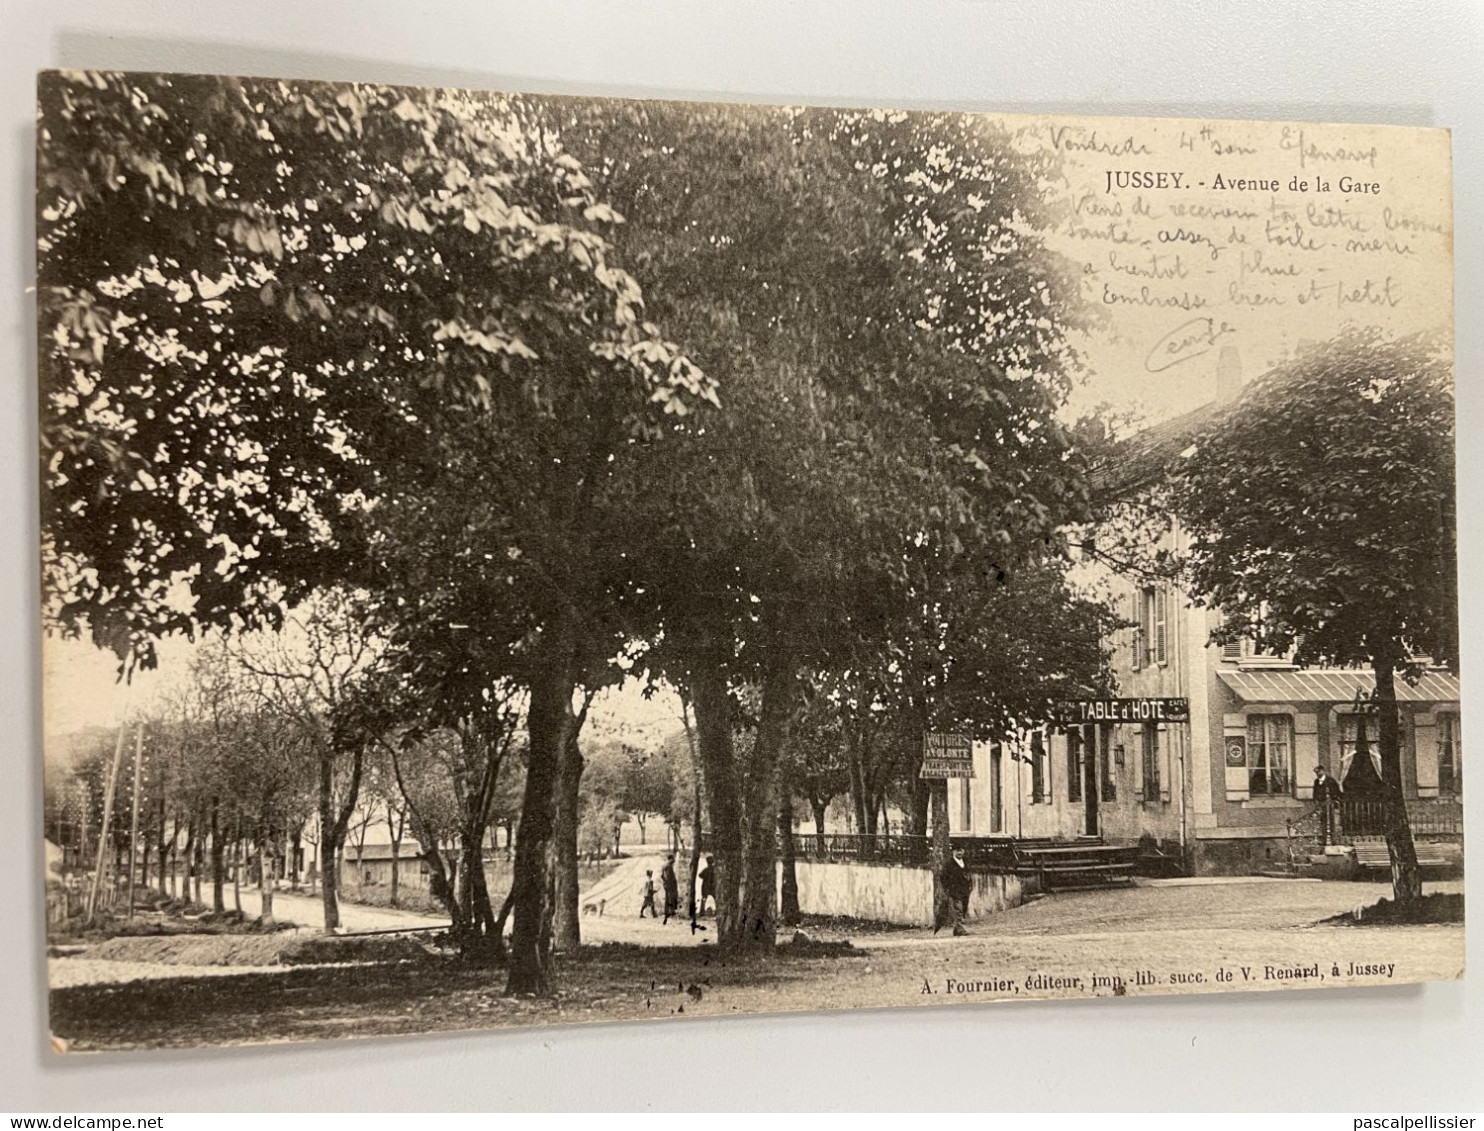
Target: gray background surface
point(1392, 1049)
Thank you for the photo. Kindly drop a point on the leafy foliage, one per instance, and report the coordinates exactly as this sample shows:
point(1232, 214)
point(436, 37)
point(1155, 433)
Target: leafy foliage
point(247, 289)
point(1321, 507)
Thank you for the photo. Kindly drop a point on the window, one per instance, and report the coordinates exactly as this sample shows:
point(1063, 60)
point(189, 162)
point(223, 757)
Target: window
point(1350, 728)
point(1074, 765)
point(1038, 769)
point(1105, 762)
point(1269, 754)
point(1151, 761)
point(1151, 644)
point(1450, 756)
point(1249, 650)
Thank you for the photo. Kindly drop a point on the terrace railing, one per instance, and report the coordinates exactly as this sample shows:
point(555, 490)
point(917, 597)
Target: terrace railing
point(879, 848)
point(1367, 818)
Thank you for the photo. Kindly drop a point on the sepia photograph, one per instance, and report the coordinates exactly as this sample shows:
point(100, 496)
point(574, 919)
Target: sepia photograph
point(529, 560)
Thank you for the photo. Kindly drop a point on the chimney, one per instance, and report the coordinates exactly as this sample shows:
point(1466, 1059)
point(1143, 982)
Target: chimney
point(1228, 375)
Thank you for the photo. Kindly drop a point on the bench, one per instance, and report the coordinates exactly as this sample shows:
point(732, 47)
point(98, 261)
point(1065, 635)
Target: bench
point(1372, 854)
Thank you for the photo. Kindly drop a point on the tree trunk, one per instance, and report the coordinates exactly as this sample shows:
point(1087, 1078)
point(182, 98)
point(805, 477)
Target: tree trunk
point(713, 708)
point(396, 855)
point(186, 861)
point(744, 819)
point(329, 851)
point(567, 928)
point(789, 888)
point(162, 851)
point(923, 796)
point(1406, 884)
point(265, 880)
point(334, 821)
point(859, 794)
point(237, 869)
point(296, 846)
point(504, 917)
point(695, 849)
point(942, 909)
point(478, 917)
point(549, 723)
point(441, 887)
point(218, 860)
point(760, 815)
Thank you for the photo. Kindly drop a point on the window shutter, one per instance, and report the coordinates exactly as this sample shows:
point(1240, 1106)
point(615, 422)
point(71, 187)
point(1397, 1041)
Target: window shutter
point(1161, 654)
point(1232, 651)
point(1426, 734)
point(1305, 753)
point(1165, 738)
point(1234, 744)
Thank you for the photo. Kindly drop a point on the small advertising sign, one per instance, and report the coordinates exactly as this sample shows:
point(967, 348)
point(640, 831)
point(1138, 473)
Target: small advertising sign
point(947, 756)
point(1075, 712)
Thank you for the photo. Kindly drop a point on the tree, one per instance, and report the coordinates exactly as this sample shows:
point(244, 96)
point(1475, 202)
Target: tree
point(309, 674)
point(1321, 512)
point(447, 777)
point(395, 272)
point(873, 296)
point(248, 287)
point(821, 764)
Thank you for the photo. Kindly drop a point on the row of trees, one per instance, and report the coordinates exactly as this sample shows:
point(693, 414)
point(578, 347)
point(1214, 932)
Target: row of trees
point(304, 337)
point(245, 761)
point(413, 355)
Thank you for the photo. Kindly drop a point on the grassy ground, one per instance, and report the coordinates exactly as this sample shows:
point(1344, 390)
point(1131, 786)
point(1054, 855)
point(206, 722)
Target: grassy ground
point(1146, 941)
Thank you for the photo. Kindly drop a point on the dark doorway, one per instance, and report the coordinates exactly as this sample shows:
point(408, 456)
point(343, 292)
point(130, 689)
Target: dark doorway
point(996, 792)
point(1092, 787)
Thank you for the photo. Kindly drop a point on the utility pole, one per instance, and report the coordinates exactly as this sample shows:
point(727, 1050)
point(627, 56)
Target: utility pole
point(108, 789)
point(134, 814)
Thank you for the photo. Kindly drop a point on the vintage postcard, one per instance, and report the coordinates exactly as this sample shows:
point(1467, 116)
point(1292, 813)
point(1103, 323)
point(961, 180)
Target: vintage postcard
point(522, 560)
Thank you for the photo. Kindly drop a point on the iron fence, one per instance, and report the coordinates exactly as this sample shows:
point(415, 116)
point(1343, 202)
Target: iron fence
point(980, 855)
point(1367, 818)
point(879, 848)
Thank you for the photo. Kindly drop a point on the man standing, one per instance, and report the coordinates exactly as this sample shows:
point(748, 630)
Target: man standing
point(648, 892)
point(1326, 796)
point(957, 886)
point(672, 888)
point(708, 886)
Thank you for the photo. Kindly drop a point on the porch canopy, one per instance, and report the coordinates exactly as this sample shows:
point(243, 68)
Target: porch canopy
point(1334, 686)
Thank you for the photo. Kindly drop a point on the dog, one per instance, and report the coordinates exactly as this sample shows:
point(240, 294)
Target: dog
point(594, 908)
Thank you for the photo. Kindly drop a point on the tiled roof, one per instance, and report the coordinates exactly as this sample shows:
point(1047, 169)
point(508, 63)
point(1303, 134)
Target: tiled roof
point(1148, 455)
point(1333, 686)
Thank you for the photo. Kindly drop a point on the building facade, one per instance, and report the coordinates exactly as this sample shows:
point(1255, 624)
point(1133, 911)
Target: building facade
point(1224, 790)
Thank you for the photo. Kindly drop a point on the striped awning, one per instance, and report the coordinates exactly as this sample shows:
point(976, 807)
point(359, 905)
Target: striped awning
point(1333, 686)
